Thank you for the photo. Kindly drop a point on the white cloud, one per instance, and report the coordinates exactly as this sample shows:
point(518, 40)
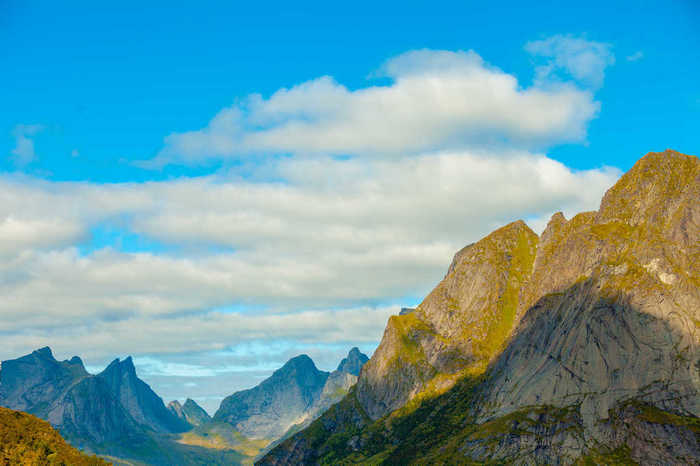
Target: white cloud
point(437, 100)
point(636, 56)
point(335, 234)
point(23, 152)
point(584, 60)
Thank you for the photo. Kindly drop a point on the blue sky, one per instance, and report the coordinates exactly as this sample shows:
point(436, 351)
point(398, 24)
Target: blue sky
point(152, 206)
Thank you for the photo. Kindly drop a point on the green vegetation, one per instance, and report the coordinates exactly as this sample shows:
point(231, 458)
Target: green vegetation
point(222, 436)
point(28, 440)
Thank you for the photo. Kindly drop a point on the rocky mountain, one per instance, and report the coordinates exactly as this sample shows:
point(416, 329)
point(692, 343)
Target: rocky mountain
point(190, 412)
point(580, 345)
point(26, 439)
point(293, 394)
point(113, 413)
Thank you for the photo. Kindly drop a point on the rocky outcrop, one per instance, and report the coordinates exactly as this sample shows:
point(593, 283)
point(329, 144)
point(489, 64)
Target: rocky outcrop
point(582, 345)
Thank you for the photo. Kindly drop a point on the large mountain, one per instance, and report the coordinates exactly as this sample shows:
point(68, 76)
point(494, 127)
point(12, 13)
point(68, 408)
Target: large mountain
point(294, 395)
point(578, 345)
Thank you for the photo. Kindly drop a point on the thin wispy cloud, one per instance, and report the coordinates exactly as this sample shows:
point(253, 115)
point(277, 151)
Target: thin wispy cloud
point(636, 56)
point(582, 59)
point(23, 153)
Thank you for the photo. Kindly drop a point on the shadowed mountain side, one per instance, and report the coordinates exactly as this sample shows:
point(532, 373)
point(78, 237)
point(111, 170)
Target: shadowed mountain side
point(454, 428)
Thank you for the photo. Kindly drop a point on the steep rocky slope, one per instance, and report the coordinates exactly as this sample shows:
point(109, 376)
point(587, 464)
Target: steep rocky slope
point(26, 439)
point(579, 346)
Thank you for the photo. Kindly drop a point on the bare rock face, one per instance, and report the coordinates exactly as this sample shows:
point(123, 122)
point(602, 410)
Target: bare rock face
point(582, 345)
point(461, 325)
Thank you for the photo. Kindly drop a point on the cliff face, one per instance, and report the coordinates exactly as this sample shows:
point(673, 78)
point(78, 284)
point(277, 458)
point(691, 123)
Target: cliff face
point(583, 346)
point(461, 325)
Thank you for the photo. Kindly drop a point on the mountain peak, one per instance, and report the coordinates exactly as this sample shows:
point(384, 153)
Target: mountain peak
point(643, 194)
point(353, 362)
point(44, 352)
point(302, 361)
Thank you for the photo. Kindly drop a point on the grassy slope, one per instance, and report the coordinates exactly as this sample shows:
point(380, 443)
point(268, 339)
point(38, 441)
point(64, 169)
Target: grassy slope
point(26, 439)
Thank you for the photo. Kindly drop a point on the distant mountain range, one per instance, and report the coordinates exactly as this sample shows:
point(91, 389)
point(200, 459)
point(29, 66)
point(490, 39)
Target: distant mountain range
point(116, 414)
point(581, 345)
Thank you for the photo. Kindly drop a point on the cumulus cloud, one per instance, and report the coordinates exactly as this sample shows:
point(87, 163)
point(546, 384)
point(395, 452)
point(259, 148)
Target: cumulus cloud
point(436, 100)
point(582, 59)
point(23, 152)
point(334, 234)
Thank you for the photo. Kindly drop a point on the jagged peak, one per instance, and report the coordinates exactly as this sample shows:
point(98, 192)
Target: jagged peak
point(353, 362)
point(76, 360)
point(175, 403)
point(126, 365)
point(44, 352)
